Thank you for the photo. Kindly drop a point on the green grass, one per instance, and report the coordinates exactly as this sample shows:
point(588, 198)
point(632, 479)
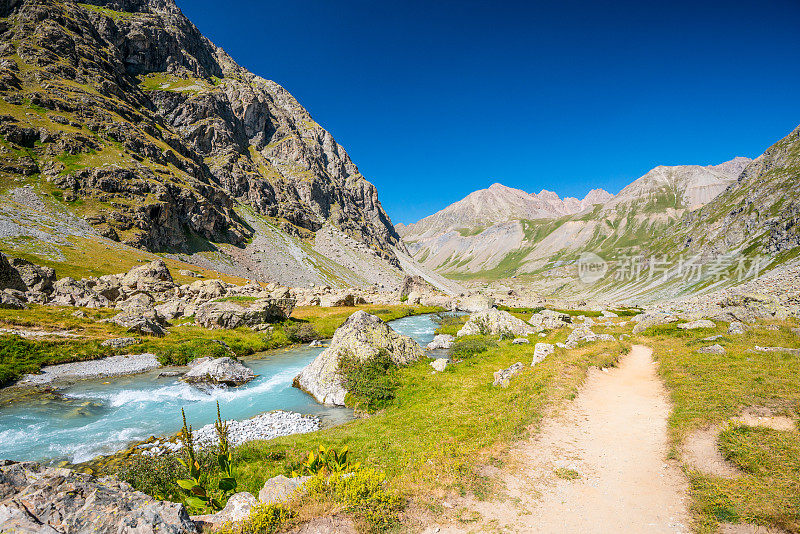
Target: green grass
point(709, 389)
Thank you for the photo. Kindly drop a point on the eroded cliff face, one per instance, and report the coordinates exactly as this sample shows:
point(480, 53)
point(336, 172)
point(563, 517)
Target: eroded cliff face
point(154, 134)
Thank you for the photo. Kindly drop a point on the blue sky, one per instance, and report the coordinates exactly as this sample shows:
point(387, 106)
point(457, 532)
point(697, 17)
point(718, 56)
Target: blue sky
point(436, 99)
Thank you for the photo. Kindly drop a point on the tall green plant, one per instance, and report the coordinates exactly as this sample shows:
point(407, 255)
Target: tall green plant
point(197, 495)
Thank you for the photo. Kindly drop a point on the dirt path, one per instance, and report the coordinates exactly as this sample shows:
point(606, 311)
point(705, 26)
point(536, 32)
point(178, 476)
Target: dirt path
point(614, 435)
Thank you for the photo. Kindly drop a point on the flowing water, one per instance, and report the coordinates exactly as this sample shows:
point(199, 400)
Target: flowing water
point(94, 417)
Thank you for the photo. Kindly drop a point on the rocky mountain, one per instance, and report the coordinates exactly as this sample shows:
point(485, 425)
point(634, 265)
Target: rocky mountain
point(130, 119)
point(499, 204)
point(498, 237)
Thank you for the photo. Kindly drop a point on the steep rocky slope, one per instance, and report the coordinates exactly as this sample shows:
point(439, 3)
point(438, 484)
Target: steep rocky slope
point(136, 123)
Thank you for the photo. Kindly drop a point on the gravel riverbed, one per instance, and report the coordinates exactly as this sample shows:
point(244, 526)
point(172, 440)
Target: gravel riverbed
point(104, 367)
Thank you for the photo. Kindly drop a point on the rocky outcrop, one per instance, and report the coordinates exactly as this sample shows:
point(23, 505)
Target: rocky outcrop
point(218, 371)
point(502, 378)
point(232, 314)
point(55, 500)
point(441, 342)
point(542, 351)
point(693, 325)
point(495, 322)
point(361, 336)
point(549, 320)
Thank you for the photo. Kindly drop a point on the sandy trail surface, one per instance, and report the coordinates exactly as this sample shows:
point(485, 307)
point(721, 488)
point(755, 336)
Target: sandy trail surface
point(613, 437)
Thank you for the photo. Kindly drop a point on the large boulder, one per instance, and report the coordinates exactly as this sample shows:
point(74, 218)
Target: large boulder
point(9, 277)
point(363, 336)
point(542, 351)
point(205, 290)
point(549, 320)
point(218, 371)
point(441, 341)
point(580, 335)
point(495, 322)
point(232, 314)
point(52, 500)
point(70, 292)
point(238, 508)
point(414, 284)
point(140, 323)
point(153, 276)
point(10, 300)
point(35, 277)
point(279, 489)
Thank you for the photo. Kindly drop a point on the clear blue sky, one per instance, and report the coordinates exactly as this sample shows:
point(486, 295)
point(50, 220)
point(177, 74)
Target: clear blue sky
point(436, 99)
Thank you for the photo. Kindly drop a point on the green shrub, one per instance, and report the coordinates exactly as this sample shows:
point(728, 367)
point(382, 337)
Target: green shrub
point(301, 333)
point(153, 476)
point(468, 346)
point(189, 350)
point(370, 384)
point(263, 519)
point(327, 461)
point(362, 492)
point(19, 356)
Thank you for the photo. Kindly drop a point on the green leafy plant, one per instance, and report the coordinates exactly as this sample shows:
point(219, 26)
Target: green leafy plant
point(197, 494)
point(468, 346)
point(327, 461)
point(370, 384)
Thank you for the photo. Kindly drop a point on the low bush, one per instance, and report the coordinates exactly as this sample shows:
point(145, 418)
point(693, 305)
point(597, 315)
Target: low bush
point(363, 493)
point(370, 384)
point(301, 333)
point(19, 356)
point(263, 519)
point(189, 350)
point(468, 346)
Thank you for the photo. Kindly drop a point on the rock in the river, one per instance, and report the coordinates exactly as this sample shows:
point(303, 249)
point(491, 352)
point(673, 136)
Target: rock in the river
point(363, 336)
point(693, 325)
point(549, 320)
point(53, 500)
point(441, 341)
point(737, 328)
point(542, 351)
point(439, 364)
point(495, 322)
point(712, 349)
point(502, 378)
point(230, 314)
point(279, 489)
point(226, 371)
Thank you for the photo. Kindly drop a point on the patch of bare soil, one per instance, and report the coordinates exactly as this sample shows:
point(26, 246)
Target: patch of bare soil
point(598, 466)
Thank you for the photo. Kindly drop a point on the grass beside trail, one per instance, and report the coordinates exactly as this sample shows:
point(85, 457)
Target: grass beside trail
point(710, 389)
point(19, 356)
point(440, 427)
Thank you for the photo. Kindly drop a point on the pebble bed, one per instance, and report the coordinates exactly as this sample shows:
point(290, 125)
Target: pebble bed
point(110, 366)
point(264, 426)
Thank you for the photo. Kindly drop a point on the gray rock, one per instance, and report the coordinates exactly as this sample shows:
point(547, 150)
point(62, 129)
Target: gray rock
point(139, 324)
point(154, 276)
point(41, 499)
point(605, 337)
point(363, 336)
point(439, 364)
point(495, 322)
point(712, 349)
point(441, 341)
point(520, 341)
point(713, 338)
point(279, 489)
point(502, 378)
point(237, 508)
point(549, 320)
point(542, 351)
point(475, 303)
point(693, 325)
point(9, 277)
point(609, 314)
point(580, 335)
point(776, 349)
point(34, 277)
point(225, 371)
point(9, 301)
point(737, 328)
point(229, 314)
point(647, 320)
point(120, 342)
